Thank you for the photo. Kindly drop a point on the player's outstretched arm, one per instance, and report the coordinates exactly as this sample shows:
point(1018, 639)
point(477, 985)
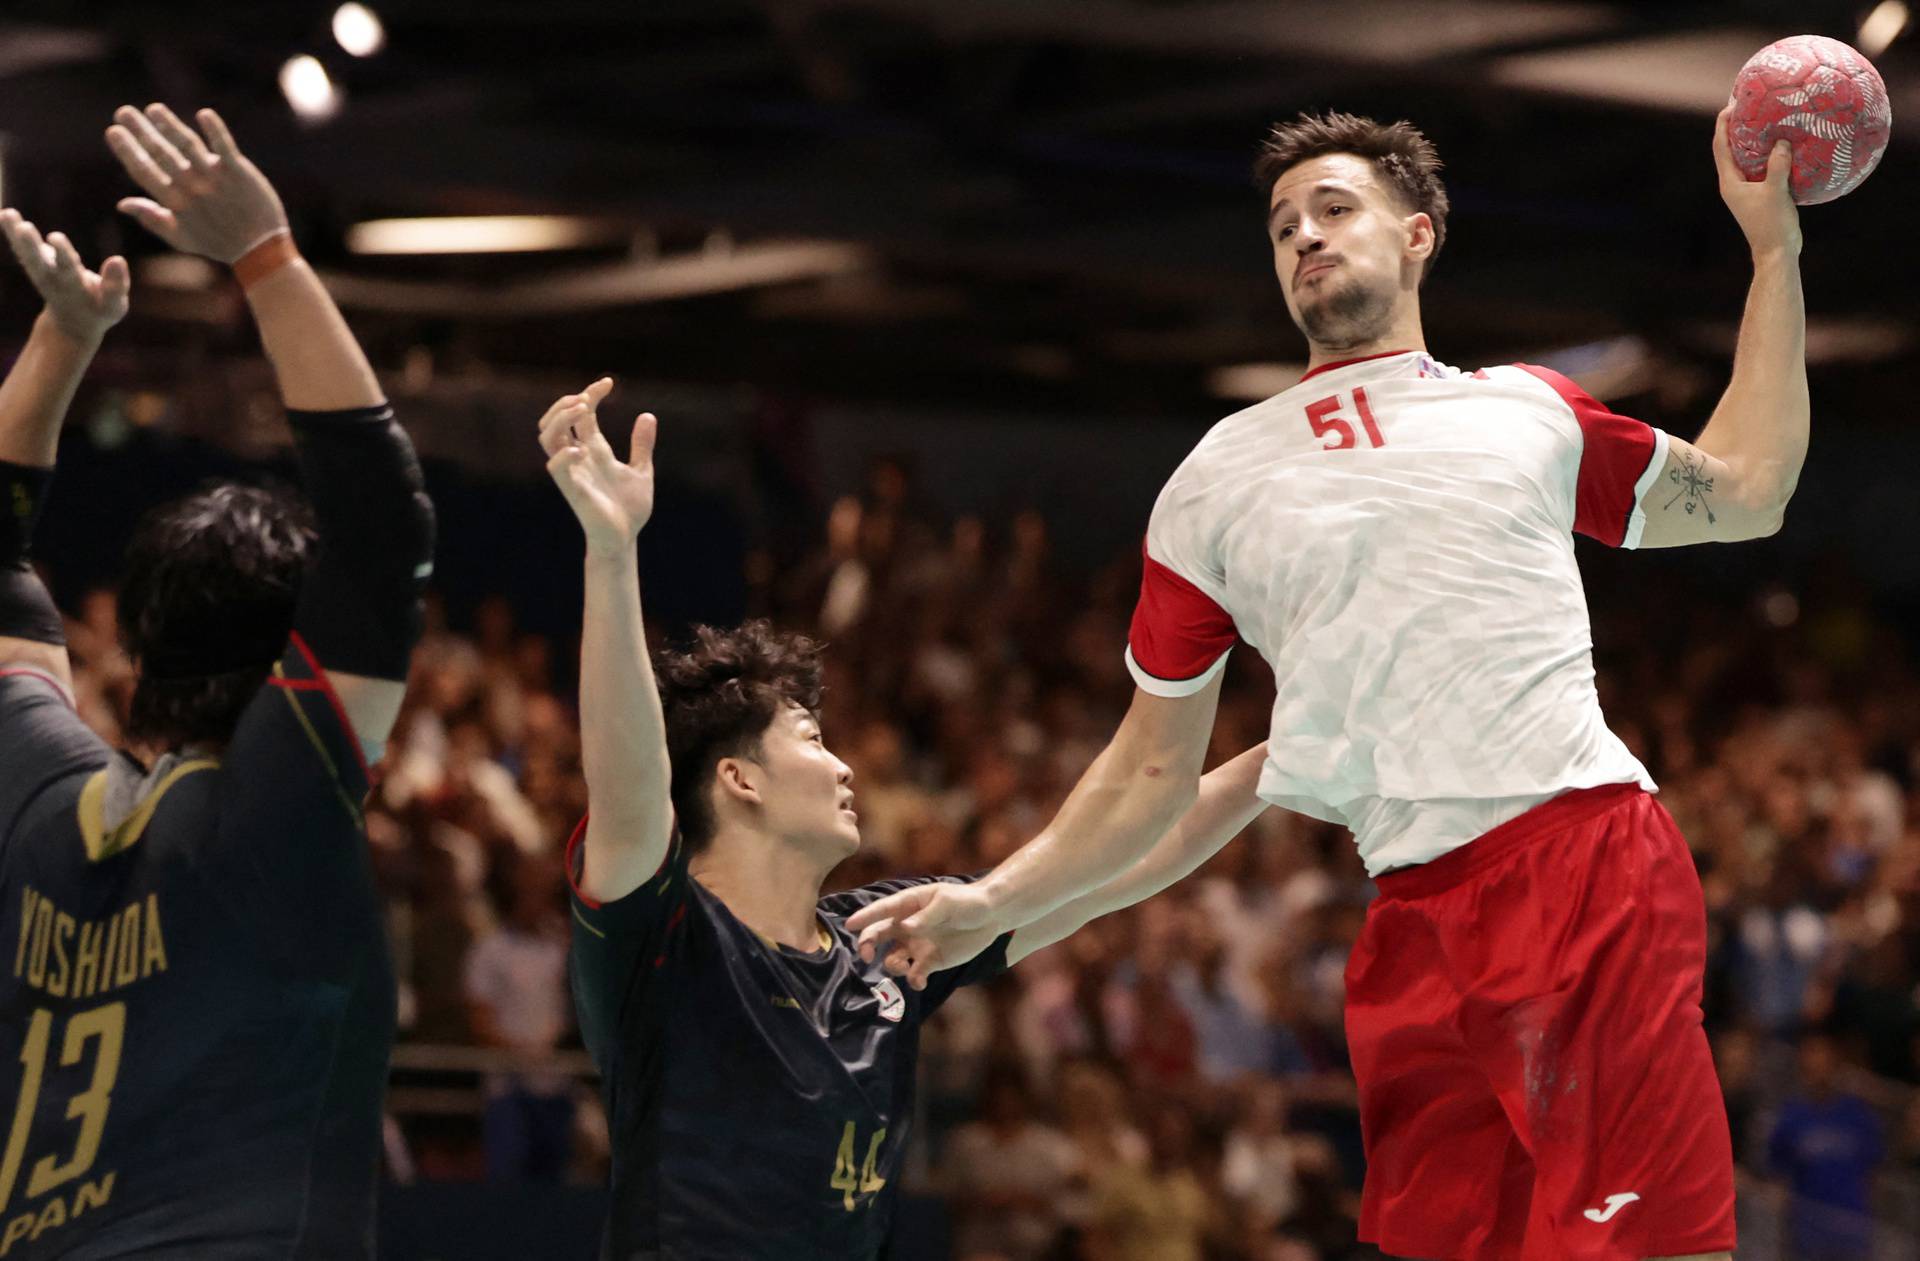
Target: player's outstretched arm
point(1733, 481)
point(81, 305)
point(360, 610)
point(1139, 786)
point(1228, 801)
point(623, 734)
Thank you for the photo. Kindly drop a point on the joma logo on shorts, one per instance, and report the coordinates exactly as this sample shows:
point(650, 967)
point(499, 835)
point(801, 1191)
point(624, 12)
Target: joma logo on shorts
point(1614, 1204)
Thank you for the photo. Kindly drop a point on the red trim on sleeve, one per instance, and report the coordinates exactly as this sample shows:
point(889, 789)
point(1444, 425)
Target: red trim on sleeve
point(574, 843)
point(1344, 363)
point(333, 699)
point(673, 921)
point(44, 677)
point(1178, 631)
point(1613, 457)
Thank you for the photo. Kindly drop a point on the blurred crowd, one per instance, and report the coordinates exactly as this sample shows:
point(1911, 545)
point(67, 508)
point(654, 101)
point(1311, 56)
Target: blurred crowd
point(1172, 1082)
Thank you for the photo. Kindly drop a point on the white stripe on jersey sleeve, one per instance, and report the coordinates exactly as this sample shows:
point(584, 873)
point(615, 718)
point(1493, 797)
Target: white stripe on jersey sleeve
point(1638, 521)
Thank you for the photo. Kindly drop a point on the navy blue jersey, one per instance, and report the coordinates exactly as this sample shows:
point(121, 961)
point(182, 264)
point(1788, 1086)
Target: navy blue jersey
point(196, 995)
point(758, 1095)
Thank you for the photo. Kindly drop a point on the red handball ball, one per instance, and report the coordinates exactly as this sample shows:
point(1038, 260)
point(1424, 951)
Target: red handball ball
point(1824, 98)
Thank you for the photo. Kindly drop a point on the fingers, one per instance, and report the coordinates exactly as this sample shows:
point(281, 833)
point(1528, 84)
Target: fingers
point(158, 147)
point(586, 423)
point(894, 904)
point(869, 942)
point(562, 466)
point(115, 279)
point(217, 134)
point(1780, 163)
point(67, 265)
point(136, 163)
point(27, 246)
point(183, 138)
point(565, 422)
point(152, 216)
point(1722, 152)
point(555, 426)
point(646, 428)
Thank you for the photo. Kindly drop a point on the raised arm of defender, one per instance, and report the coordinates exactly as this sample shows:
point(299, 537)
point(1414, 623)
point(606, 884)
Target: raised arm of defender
point(1733, 481)
point(81, 305)
point(623, 735)
point(360, 608)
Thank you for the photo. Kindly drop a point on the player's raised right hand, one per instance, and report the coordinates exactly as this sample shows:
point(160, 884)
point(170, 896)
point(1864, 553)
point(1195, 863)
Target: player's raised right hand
point(203, 195)
point(612, 498)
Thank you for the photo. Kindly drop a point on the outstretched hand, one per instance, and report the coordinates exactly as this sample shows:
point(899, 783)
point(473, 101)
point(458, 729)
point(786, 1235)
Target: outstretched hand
point(1764, 208)
point(925, 929)
point(203, 195)
point(83, 304)
point(612, 498)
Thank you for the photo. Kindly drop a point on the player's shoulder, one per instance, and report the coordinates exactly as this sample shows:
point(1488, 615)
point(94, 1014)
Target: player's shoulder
point(1548, 385)
point(847, 901)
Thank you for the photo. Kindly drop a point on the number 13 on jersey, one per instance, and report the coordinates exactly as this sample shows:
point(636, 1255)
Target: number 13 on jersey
point(1324, 415)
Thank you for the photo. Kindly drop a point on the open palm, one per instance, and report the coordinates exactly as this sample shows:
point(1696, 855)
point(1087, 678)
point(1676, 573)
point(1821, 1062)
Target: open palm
point(85, 304)
point(613, 498)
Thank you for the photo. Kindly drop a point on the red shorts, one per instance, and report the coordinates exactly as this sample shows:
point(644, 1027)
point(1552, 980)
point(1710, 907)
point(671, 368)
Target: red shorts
point(1524, 1019)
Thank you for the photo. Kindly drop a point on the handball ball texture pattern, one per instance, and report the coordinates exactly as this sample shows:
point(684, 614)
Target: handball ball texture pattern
point(1823, 97)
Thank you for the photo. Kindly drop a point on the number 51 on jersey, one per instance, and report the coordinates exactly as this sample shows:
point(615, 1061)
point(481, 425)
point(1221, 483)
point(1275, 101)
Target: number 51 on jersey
point(1328, 416)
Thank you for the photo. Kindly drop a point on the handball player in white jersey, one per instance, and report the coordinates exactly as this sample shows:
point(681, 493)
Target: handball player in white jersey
point(1395, 537)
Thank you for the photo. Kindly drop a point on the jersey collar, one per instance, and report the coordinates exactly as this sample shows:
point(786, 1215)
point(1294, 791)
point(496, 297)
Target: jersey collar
point(1347, 363)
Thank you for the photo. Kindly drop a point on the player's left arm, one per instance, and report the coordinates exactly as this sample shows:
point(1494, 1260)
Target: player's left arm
point(1733, 481)
point(1229, 800)
point(81, 305)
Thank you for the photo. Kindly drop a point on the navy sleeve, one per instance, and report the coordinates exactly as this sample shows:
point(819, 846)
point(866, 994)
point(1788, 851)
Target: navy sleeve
point(625, 951)
point(42, 740)
point(984, 966)
point(290, 850)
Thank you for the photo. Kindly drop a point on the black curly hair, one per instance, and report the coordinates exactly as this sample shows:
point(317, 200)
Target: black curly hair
point(719, 696)
point(206, 604)
point(1399, 152)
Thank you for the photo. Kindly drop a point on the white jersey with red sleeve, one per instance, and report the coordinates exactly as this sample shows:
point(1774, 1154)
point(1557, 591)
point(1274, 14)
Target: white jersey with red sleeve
point(1395, 537)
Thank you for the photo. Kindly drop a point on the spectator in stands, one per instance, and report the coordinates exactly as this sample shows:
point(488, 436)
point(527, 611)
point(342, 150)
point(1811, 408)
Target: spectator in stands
point(1826, 1145)
point(516, 993)
point(1006, 1177)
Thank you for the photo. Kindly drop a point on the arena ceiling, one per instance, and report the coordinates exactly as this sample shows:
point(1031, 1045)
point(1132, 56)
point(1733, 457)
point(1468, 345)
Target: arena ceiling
point(1011, 203)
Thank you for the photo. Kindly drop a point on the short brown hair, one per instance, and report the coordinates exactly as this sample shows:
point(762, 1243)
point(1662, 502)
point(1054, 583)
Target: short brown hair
point(719, 697)
point(1400, 154)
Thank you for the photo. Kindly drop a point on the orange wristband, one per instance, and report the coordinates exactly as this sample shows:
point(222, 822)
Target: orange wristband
point(265, 259)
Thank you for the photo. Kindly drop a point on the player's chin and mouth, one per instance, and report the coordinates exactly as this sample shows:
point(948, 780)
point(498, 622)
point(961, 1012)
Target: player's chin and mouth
point(849, 820)
point(1305, 277)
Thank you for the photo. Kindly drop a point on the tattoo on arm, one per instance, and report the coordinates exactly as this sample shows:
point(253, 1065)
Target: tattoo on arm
point(1694, 486)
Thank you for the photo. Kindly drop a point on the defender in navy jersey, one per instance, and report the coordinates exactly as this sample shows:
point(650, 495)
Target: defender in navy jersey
point(197, 987)
point(758, 1075)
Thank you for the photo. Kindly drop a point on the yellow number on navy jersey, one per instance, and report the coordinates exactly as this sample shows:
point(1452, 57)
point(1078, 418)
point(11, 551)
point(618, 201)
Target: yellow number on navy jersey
point(845, 1180)
point(105, 1027)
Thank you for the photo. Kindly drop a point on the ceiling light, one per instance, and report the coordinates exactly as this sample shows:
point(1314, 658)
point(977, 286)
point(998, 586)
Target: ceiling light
point(308, 89)
point(357, 29)
point(480, 234)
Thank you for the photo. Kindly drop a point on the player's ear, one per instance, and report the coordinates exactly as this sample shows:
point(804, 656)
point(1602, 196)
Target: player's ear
point(1419, 229)
point(738, 780)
